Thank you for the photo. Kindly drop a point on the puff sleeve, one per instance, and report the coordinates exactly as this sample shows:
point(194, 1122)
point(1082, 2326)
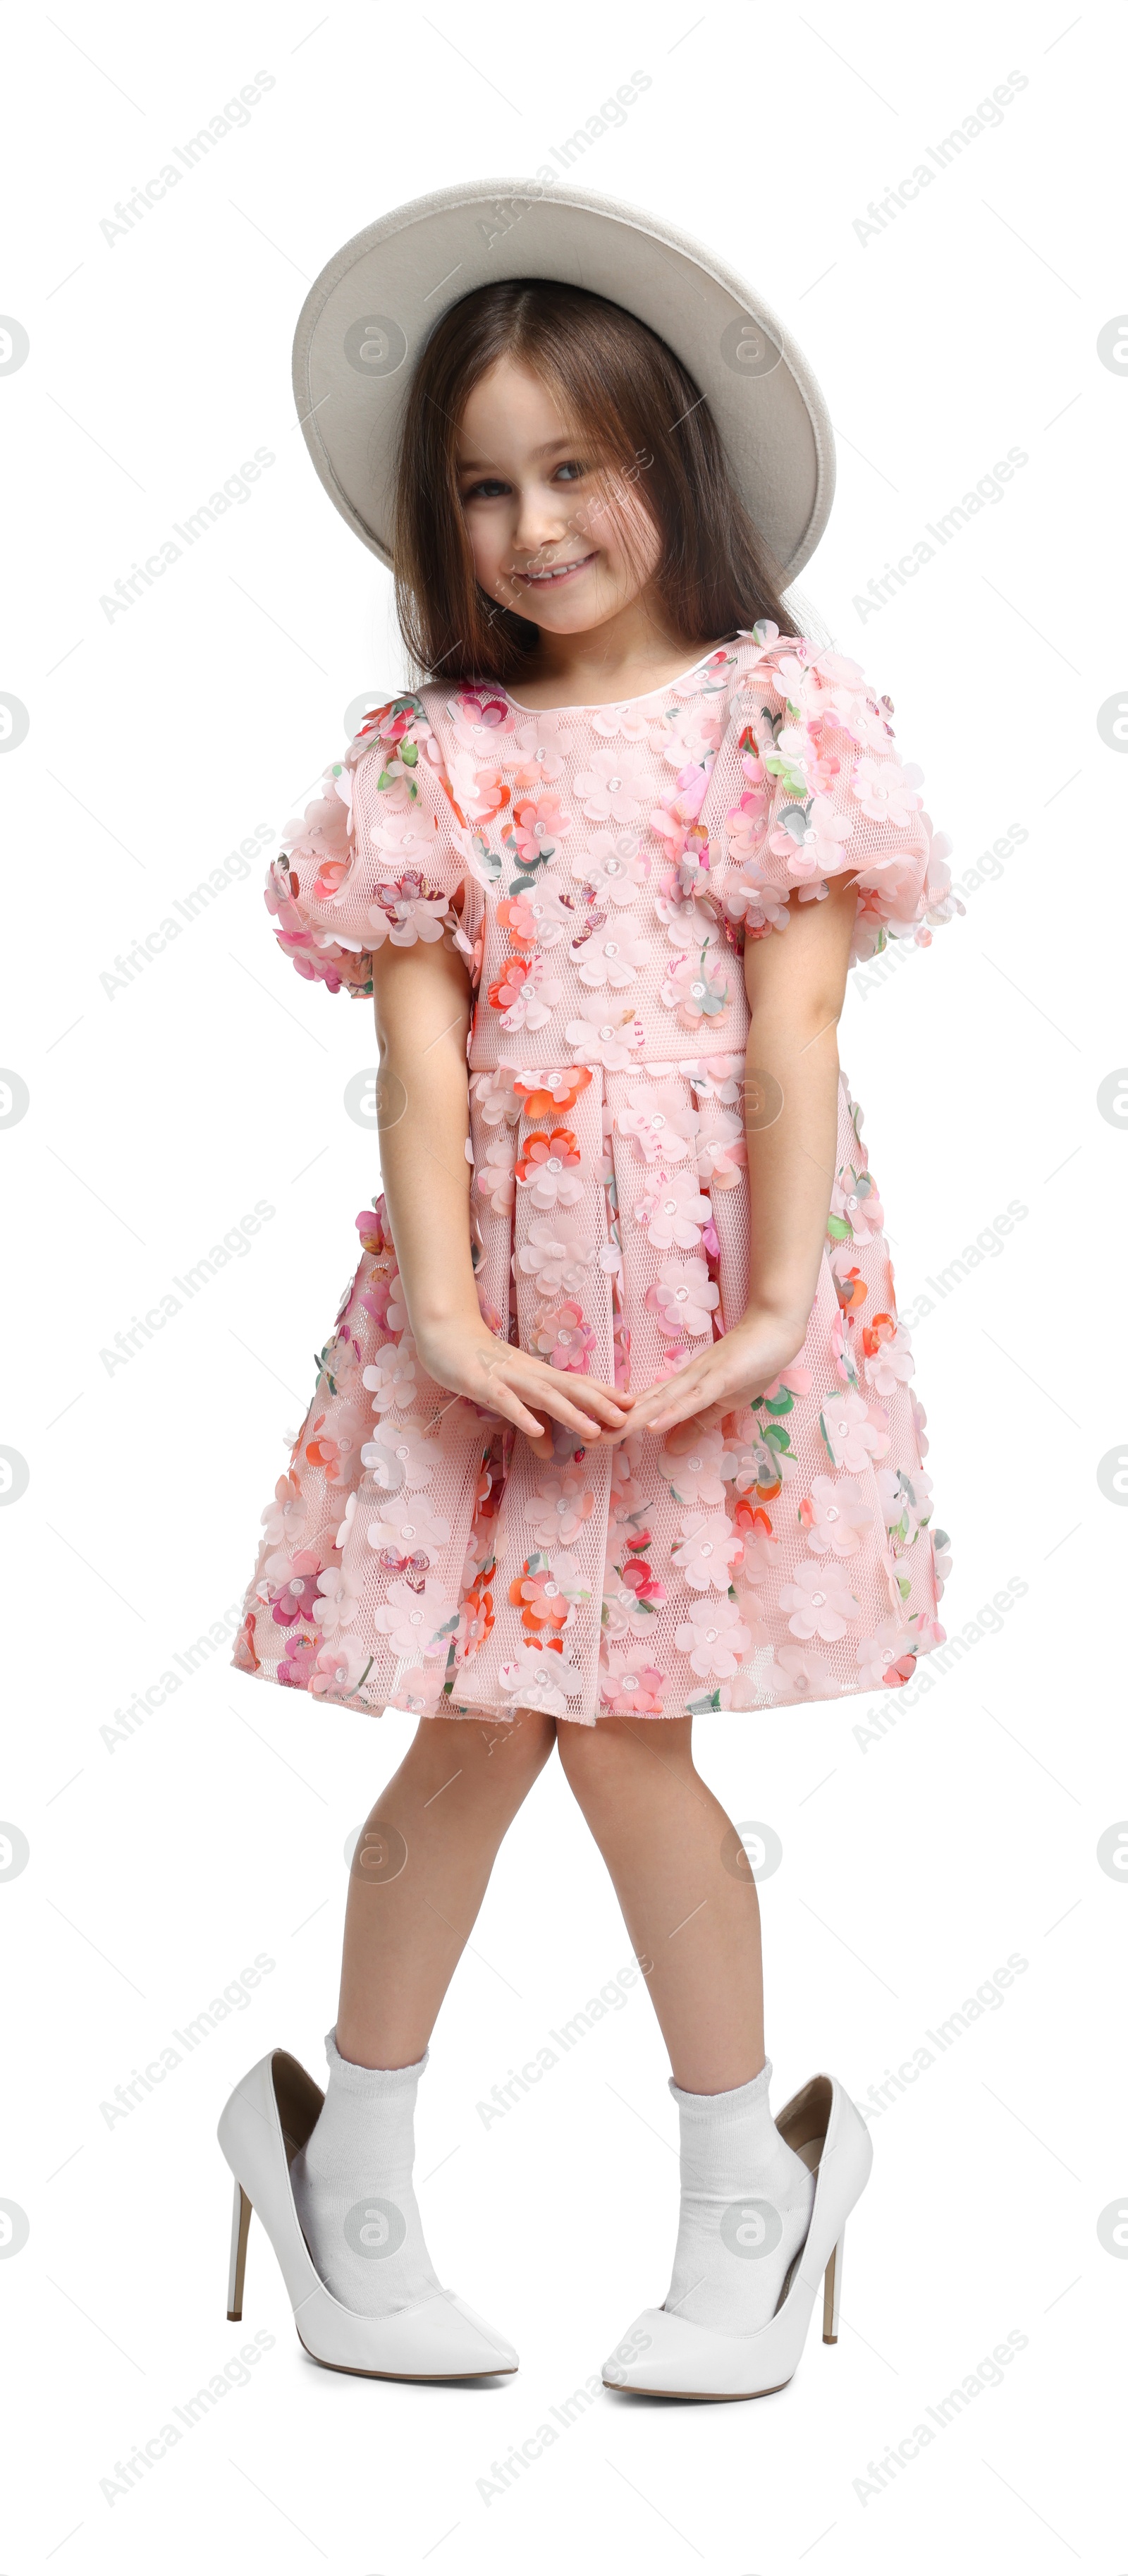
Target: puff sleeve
point(376, 856)
point(810, 786)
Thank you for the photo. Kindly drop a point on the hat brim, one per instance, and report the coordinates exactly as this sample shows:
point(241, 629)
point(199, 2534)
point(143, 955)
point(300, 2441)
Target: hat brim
point(366, 318)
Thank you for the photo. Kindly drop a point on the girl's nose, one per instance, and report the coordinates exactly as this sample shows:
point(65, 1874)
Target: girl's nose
point(542, 521)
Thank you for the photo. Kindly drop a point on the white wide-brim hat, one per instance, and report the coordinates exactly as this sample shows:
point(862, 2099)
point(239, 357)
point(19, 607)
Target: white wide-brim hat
point(366, 318)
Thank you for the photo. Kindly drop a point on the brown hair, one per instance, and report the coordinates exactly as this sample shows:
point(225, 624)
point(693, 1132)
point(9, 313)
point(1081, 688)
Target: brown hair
point(635, 400)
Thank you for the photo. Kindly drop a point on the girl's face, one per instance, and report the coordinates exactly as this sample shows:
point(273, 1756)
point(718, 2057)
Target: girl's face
point(546, 538)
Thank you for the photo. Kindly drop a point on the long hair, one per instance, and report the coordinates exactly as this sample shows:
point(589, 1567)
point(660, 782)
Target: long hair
point(644, 419)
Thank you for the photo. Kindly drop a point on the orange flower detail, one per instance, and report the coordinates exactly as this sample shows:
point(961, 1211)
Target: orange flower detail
point(540, 1606)
point(882, 1329)
point(549, 1094)
point(538, 1149)
point(852, 1290)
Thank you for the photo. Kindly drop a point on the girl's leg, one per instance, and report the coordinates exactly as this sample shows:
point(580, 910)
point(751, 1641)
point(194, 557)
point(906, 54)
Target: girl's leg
point(418, 1877)
point(420, 1871)
point(689, 1903)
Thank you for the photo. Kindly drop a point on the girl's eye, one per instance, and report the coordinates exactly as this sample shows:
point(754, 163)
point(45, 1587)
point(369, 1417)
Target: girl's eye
point(572, 468)
point(486, 490)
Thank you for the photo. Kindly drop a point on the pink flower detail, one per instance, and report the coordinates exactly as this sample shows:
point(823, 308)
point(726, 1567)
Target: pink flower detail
point(612, 956)
point(482, 710)
point(341, 1587)
point(833, 1516)
point(419, 1691)
point(557, 1511)
point(697, 988)
point(820, 1601)
point(758, 906)
point(689, 927)
point(709, 1545)
point(604, 1034)
point(391, 1377)
point(660, 1121)
point(537, 825)
point(535, 753)
point(338, 1667)
point(546, 1680)
point(612, 788)
point(854, 1197)
point(496, 1097)
point(557, 1254)
point(291, 1584)
point(892, 1364)
point(882, 1659)
point(691, 1462)
point(713, 1637)
point(565, 1338)
point(851, 1435)
point(629, 1684)
point(411, 1620)
point(674, 1213)
point(401, 1458)
point(627, 723)
point(407, 1523)
point(744, 821)
point(683, 1297)
point(284, 1519)
point(796, 1674)
point(886, 793)
point(297, 1667)
point(611, 867)
point(404, 913)
point(493, 1176)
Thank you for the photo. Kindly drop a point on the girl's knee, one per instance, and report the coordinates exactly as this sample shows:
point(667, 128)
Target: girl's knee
point(604, 1761)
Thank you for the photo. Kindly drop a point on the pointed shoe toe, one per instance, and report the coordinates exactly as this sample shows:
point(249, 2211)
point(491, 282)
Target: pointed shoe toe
point(664, 2355)
point(263, 2127)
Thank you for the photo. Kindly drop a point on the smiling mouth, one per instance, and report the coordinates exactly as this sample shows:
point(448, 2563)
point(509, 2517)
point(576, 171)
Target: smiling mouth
point(557, 572)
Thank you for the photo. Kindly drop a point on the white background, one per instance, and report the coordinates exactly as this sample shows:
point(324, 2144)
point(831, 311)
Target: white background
point(915, 1861)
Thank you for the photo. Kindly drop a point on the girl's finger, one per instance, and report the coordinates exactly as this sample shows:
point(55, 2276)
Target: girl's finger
point(565, 1409)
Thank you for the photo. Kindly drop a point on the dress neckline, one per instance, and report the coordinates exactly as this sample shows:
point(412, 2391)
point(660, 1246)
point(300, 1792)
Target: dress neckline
point(595, 706)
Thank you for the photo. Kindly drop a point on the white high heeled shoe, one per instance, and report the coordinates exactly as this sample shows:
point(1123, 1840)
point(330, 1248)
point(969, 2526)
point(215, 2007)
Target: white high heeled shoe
point(662, 2355)
point(264, 2125)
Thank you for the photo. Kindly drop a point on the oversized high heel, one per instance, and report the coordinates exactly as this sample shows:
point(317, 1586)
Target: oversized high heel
point(262, 2128)
point(662, 2355)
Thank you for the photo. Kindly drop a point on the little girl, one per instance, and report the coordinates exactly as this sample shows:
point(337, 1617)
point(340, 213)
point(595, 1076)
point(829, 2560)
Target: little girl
point(614, 1425)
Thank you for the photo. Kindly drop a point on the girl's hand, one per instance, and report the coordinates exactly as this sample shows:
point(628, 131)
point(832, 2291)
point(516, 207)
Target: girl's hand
point(471, 1361)
point(741, 1365)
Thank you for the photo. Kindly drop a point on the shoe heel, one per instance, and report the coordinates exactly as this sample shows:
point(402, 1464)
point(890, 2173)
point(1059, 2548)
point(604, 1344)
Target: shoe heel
point(240, 2227)
point(832, 2291)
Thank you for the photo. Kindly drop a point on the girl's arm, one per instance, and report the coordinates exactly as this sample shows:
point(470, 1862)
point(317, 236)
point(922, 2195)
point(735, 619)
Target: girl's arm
point(422, 1002)
point(795, 985)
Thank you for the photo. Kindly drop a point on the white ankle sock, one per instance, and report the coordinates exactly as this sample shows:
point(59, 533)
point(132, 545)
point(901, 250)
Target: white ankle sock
point(745, 2208)
point(353, 2191)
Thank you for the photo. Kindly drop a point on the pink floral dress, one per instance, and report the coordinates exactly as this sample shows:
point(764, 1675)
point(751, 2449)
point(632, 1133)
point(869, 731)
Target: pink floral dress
point(601, 868)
